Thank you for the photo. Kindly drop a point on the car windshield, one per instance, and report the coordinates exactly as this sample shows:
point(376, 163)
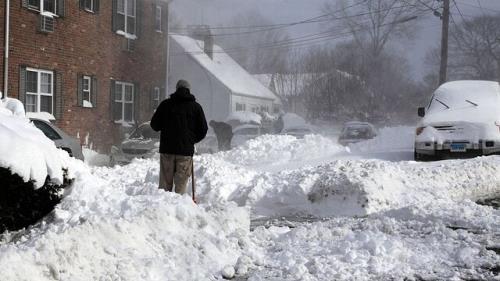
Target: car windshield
point(299, 131)
point(247, 131)
point(357, 132)
point(145, 132)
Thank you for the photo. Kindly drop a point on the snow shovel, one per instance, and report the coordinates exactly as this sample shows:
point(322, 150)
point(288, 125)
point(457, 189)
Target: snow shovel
point(192, 182)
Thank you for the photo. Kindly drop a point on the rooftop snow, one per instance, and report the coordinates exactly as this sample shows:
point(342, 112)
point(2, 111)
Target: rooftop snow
point(225, 69)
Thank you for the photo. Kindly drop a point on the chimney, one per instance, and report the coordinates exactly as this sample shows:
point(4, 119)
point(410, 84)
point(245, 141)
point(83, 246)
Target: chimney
point(208, 45)
point(203, 33)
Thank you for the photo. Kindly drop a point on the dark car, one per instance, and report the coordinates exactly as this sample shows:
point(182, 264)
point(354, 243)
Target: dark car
point(356, 131)
point(143, 142)
point(60, 138)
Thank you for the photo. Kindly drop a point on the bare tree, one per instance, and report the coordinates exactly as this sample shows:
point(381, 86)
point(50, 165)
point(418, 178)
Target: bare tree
point(373, 23)
point(475, 48)
point(257, 45)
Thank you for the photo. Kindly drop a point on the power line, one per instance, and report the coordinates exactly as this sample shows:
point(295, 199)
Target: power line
point(316, 19)
point(479, 7)
point(294, 42)
point(279, 25)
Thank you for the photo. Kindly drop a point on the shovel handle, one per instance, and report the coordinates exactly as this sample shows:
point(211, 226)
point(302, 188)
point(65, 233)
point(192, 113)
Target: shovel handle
point(193, 186)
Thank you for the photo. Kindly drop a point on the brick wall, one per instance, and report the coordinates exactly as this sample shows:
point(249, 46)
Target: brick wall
point(84, 43)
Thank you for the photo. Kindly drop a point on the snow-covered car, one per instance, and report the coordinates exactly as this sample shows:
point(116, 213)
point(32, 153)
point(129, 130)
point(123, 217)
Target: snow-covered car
point(297, 131)
point(60, 138)
point(143, 142)
point(245, 132)
point(461, 120)
point(355, 131)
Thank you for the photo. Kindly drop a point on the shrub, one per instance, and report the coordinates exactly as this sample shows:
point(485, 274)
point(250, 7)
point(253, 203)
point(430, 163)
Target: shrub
point(21, 205)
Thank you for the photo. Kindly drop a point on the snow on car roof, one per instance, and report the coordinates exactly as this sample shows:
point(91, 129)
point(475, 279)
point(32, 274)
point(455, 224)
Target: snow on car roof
point(468, 100)
point(25, 150)
point(244, 117)
point(292, 120)
point(474, 89)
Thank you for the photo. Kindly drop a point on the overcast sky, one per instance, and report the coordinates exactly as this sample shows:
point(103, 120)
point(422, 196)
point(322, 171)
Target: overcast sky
point(221, 12)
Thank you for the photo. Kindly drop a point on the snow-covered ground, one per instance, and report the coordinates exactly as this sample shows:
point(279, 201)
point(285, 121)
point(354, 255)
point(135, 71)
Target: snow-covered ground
point(348, 215)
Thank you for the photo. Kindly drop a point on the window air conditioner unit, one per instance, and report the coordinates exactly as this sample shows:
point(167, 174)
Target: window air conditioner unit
point(46, 24)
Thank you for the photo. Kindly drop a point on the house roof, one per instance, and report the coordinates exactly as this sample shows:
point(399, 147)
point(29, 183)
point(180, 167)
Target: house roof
point(225, 69)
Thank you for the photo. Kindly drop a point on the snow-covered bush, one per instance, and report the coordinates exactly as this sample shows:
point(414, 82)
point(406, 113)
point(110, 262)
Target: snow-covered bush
point(21, 204)
point(33, 171)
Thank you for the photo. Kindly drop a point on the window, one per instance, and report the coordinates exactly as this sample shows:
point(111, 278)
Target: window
point(158, 18)
point(49, 6)
point(89, 5)
point(86, 89)
point(39, 90)
point(124, 102)
point(240, 107)
point(156, 97)
point(126, 16)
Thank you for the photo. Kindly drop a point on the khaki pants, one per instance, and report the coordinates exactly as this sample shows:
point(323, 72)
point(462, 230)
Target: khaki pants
point(175, 170)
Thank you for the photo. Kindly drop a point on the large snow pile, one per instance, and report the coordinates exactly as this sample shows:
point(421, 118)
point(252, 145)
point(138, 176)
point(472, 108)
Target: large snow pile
point(25, 150)
point(116, 224)
point(264, 174)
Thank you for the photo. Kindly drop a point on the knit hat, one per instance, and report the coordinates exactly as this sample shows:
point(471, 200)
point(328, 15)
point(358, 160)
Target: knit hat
point(182, 84)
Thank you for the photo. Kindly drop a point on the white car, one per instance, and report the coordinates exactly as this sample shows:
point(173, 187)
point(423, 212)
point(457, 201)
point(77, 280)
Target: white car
point(461, 120)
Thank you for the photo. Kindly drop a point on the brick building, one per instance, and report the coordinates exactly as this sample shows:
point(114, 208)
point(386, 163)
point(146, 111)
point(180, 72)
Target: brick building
point(98, 66)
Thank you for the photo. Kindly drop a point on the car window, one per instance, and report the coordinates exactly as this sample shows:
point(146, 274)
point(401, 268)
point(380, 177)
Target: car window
point(357, 132)
point(47, 130)
point(145, 132)
point(300, 131)
point(247, 131)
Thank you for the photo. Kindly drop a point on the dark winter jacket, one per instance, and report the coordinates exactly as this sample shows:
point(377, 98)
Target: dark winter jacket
point(182, 123)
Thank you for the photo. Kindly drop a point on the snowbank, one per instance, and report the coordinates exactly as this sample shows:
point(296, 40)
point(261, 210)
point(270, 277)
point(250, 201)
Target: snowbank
point(25, 150)
point(122, 227)
point(263, 175)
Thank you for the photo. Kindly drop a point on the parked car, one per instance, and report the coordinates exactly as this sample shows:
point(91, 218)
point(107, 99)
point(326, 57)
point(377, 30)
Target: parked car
point(461, 120)
point(60, 138)
point(298, 131)
point(355, 131)
point(143, 142)
point(245, 132)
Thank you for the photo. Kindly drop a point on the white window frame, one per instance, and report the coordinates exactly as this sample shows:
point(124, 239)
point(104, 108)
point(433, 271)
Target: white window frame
point(123, 102)
point(92, 7)
point(38, 93)
point(42, 10)
point(89, 90)
point(125, 15)
point(158, 15)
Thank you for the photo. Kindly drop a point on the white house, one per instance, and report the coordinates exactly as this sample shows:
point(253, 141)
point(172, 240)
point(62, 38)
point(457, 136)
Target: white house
point(218, 82)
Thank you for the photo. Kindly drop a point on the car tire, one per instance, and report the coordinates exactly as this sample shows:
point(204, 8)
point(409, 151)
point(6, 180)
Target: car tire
point(423, 157)
point(112, 161)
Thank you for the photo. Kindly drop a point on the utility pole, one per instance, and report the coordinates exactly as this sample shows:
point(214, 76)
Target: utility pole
point(444, 41)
